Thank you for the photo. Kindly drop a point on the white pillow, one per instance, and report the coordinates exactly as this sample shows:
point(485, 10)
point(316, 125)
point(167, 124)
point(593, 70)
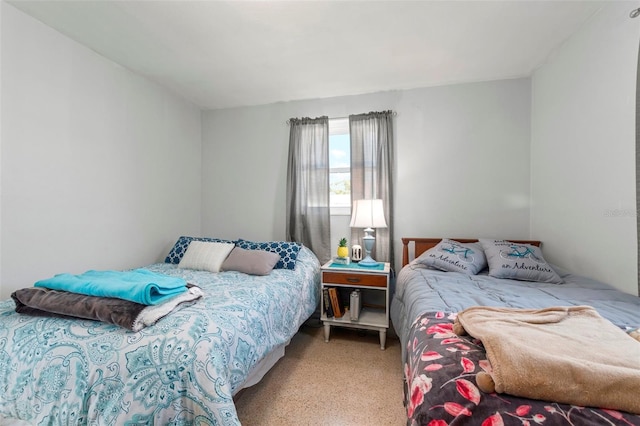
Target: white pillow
point(205, 255)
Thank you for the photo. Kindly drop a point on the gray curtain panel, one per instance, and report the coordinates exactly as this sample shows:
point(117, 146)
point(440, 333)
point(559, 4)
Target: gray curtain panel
point(372, 163)
point(308, 220)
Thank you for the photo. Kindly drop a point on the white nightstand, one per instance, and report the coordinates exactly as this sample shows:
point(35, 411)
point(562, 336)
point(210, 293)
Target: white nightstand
point(370, 281)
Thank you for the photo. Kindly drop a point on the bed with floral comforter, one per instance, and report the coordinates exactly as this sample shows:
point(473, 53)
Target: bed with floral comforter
point(440, 367)
point(185, 369)
point(440, 388)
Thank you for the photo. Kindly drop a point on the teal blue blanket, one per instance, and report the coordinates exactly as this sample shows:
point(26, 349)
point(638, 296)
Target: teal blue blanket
point(139, 285)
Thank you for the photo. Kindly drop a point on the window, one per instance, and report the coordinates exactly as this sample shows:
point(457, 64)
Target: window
point(339, 167)
point(359, 166)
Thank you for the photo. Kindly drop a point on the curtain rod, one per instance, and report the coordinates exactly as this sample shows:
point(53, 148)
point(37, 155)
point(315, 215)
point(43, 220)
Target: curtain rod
point(393, 113)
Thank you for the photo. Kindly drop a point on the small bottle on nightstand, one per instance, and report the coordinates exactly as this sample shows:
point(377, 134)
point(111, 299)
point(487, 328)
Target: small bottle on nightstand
point(354, 305)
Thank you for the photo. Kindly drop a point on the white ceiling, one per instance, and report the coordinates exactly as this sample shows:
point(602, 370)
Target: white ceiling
point(222, 54)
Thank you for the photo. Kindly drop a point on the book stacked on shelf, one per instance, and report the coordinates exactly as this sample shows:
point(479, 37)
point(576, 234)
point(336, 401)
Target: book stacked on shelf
point(326, 302)
point(333, 303)
point(342, 260)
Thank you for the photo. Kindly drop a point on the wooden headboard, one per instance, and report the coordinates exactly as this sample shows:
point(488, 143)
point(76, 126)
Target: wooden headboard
point(420, 245)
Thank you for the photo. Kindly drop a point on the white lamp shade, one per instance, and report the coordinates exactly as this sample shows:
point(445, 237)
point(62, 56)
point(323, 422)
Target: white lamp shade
point(368, 214)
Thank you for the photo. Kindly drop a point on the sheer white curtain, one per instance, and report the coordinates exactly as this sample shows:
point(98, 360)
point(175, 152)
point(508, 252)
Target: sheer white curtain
point(372, 161)
point(308, 214)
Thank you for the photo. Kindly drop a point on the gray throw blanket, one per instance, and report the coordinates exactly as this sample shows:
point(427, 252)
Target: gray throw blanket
point(131, 315)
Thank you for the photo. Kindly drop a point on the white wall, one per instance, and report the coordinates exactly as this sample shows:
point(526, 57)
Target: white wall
point(100, 167)
point(462, 161)
point(583, 150)
point(1, 9)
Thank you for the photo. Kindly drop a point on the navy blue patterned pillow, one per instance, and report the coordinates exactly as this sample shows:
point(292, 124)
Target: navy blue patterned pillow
point(180, 247)
point(287, 250)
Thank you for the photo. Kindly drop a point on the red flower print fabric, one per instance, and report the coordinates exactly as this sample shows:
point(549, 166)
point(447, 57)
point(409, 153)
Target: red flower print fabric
point(440, 387)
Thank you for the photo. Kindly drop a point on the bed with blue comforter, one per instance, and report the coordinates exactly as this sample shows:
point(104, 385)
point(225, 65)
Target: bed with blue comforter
point(184, 369)
point(440, 366)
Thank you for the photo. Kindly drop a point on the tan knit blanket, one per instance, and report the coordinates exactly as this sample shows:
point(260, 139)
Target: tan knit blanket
point(565, 354)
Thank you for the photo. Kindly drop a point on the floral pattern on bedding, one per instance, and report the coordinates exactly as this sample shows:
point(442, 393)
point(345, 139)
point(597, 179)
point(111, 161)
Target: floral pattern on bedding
point(440, 389)
point(185, 369)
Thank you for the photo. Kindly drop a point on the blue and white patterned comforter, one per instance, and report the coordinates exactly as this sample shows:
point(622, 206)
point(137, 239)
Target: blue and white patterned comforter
point(183, 370)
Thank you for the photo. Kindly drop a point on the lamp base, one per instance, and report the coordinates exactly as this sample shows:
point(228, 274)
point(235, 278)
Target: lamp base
point(368, 241)
point(368, 261)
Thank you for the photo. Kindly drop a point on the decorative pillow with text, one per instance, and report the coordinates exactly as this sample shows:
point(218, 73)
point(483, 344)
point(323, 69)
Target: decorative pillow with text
point(452, 256)
point(518, 262)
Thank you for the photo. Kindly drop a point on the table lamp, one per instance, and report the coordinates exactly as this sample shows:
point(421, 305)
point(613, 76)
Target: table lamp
point(368, 214)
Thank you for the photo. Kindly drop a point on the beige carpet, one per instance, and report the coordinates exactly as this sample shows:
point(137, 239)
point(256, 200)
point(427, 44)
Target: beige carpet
point(347, 381)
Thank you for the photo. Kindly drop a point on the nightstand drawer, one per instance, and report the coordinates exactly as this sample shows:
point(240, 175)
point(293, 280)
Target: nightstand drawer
point(347, 278)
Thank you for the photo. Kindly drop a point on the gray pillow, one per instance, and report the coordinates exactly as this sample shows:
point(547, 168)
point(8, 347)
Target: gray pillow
point(452, 256)
point(518, 262)
point(253, 262)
